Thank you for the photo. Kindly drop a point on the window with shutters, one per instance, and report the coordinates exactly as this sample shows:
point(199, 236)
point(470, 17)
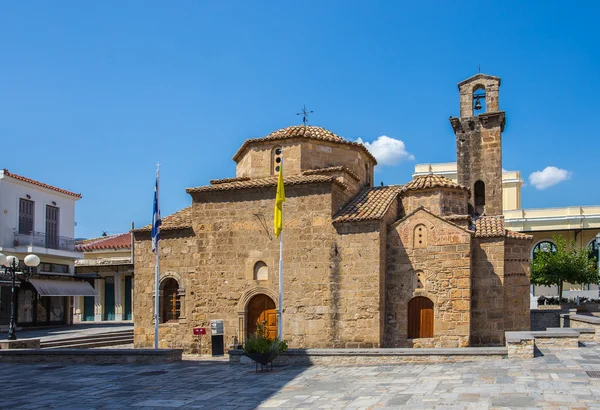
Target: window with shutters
point(51, 227)
point(170, 300)
point(25, 216)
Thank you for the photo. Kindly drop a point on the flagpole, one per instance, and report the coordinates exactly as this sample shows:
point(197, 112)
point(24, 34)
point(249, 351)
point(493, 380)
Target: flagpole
point(156, 272)
point(278, 229)
point(280, 330)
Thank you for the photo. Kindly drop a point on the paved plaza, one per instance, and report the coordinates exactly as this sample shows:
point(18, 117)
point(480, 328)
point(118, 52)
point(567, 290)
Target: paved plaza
point(556, 380)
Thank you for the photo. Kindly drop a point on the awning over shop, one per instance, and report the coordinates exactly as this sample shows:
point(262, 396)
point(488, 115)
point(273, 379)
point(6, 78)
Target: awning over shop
point(46, 287)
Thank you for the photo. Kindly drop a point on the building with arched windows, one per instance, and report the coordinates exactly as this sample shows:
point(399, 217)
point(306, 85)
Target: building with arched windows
point(425, 264)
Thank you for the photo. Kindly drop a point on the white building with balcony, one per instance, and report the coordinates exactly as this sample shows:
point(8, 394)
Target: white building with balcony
point(39, 218)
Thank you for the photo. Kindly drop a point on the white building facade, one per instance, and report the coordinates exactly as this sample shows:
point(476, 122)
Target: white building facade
point(39, 218)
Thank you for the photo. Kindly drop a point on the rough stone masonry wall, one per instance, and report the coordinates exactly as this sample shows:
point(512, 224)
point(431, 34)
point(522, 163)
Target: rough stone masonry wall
point(516, 285)
point(331, 294)
point(178, 254)
point(303, 154)
point(257, 161)
point(356, 277)
point(491, 86)
point(454, 202)
point(322, 154)
point(438, 201)
point(443, 261)
point(479, 157)
point(487, 304)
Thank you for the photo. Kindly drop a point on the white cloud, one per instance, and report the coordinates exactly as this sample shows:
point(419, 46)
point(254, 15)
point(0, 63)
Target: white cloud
point(388, 151)
point(548, 177)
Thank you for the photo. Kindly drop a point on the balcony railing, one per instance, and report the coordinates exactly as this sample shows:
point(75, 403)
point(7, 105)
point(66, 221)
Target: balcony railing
point(43, 240)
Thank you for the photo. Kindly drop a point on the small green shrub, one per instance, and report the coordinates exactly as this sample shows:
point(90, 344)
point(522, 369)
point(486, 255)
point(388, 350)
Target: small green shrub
point(260, 342)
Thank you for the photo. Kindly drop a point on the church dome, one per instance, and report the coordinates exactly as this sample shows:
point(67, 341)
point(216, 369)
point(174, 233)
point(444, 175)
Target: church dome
point(307, 131)
point(311, 132)
point(431, 181)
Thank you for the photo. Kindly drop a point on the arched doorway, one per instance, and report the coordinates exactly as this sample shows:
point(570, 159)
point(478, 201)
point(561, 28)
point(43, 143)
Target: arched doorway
point(420, 317)
point(261, 310)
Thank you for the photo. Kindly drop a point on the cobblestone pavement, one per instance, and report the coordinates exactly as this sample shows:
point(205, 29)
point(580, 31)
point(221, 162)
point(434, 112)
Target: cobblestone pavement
point(556, 380)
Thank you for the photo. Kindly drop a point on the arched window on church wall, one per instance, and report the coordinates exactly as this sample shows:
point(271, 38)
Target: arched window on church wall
point(261, 271)
point(419, 280)
point(420, 236)
point(479, 189)
point(170, 301)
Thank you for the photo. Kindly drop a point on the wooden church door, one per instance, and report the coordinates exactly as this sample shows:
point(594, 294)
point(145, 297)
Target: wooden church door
point(420, 318)
point(261, 310)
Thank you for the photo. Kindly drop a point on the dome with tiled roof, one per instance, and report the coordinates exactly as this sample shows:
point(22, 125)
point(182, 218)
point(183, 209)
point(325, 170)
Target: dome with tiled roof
point(303, 131)
point(308, 131)
point(431, 181)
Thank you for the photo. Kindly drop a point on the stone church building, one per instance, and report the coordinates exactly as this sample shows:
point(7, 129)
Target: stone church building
point(426, 264)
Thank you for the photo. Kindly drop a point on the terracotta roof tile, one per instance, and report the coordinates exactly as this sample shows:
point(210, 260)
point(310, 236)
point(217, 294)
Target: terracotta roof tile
point(113, 242)
point(493, 226)
point(266, 182)
point(181, 219)
point(431, 181)
point(331, 169)
point(40, 184)
point(518, 235)
point(369, 204)
point(226, 180)
point(303, 131)
point(489, 226)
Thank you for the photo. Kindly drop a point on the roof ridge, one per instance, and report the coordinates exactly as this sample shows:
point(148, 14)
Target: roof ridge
point(333, 168)
point(267, 182)
point(431, 180)
point(104, 243)
point(40, 184)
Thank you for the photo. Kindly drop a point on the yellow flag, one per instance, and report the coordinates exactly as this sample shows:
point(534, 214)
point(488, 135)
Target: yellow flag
point(279, 199)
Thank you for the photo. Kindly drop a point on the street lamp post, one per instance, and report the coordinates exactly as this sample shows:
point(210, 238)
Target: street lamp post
point(10, 271)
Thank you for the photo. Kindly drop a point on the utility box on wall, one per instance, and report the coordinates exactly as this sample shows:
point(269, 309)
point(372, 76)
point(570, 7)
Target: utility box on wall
point(216, 336)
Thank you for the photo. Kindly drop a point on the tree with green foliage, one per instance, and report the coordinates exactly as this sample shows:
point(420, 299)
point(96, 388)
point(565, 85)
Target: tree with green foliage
point(554, 266)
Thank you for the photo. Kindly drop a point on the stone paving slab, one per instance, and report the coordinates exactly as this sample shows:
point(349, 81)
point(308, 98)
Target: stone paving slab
point(556, 380)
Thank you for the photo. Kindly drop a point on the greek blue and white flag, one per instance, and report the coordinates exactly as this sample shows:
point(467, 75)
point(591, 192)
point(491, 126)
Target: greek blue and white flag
point(156, 222)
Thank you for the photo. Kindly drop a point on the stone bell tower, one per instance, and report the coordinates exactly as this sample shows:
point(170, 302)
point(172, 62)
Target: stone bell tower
point(479, 143)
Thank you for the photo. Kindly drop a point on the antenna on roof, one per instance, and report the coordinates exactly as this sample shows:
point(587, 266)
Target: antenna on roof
point(479, 68)
point(304, 114)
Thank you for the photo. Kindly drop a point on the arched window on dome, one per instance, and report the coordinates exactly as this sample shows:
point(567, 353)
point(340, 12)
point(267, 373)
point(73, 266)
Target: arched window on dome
point(276, 158)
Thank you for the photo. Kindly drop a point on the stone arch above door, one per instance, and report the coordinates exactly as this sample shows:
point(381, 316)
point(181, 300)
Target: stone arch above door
point(243, 305)
point(249, 294)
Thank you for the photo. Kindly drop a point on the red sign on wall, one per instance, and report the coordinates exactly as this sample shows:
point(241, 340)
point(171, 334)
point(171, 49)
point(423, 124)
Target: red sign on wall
point(199, 331)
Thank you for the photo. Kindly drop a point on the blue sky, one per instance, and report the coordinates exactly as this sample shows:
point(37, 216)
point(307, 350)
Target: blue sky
point(94, 94)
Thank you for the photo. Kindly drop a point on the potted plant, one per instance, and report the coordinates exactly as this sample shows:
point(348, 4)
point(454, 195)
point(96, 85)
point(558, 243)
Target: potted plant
point(263, 349)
